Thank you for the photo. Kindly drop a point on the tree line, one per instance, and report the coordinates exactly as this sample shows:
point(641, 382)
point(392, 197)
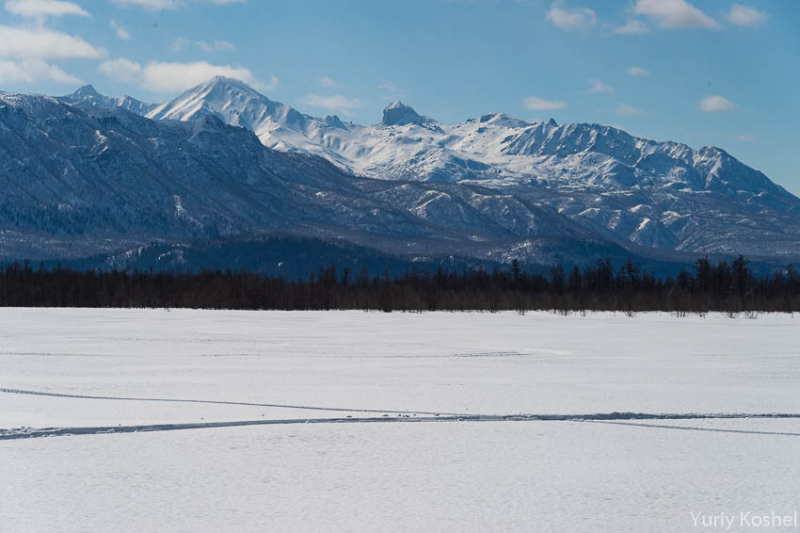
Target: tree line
point(724, 287)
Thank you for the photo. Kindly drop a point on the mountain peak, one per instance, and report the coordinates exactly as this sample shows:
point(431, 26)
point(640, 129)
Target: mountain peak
point(224, 81)
point(397, 104)
point(334, 122)
point(236, 103)
point(502, 119)
point(399, 114)
point(216, 80)
point(221, 87)
point(86, 90)
point(88, 95)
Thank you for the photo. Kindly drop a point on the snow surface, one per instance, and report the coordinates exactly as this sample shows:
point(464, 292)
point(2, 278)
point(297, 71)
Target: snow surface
point(582, 466)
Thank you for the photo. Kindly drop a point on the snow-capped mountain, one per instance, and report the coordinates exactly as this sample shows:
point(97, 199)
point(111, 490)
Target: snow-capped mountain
point(399, 114)
point(80, 181)
point(653, 194)
point(87, 95)
point(277, 125)
point(495, 147)
point(88, 174)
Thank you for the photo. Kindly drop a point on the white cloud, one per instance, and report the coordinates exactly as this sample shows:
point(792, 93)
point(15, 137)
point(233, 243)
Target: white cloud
point(33, 70)
point(638, 72)
point(535, 103)
point(625, 110)
point(632, 27)
point(168, 77)
point(219, 45)
point(745, 137)
point(327, 82)
point(24, 43)
point(121, 32)
point(599, 87)
point(26, 50)
point(151, 5)
point(715, 104)
point(161, 5)
point(746, 16)
point(44, 8)
point(337, 102)
point(388, 86)
point(121, 69)
point(579, 18)
point(673, 14)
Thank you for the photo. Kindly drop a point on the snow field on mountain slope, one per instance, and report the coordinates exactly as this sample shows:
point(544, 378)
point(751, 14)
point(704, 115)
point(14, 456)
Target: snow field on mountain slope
point(440, 475)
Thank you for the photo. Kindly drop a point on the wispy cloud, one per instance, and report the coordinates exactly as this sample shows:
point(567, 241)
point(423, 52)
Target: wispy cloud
point(578, 18)
point(335, 103)
point(638, 72)
point(268, 86)
point(625, 110)
point(151, 5)
point(391, 92)
point(327, 82)
point(673, 14)
point(534, 103)
point(741, 15)
point(745, 137)
point(171, 77)
point(121, 32)
point(597, 86)
point(219, 45)
point(632, 27)
point(715, 104)
point(44, 8)
point(224, 46)
point(162, 5)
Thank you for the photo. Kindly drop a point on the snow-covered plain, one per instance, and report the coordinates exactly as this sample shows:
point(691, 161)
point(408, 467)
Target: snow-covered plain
point(579, 467)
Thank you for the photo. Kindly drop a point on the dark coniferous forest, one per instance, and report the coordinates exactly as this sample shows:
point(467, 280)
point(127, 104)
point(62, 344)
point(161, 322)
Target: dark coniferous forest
point(724, 287)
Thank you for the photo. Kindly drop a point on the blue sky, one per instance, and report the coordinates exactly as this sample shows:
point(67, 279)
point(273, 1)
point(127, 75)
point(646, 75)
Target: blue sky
point(714, 72)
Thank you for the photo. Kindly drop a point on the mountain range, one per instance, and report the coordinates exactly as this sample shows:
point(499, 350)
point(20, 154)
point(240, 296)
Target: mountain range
point(91, 175)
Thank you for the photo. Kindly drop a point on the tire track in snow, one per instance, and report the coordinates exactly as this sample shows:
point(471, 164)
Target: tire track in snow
point(604, 418)
point(619, 418)
point(440, 415)
point(27, 433)
point(223, 402)
point(692, 428)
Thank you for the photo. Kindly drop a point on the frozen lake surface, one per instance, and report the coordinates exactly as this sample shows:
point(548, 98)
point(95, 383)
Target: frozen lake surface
point(417, 422)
